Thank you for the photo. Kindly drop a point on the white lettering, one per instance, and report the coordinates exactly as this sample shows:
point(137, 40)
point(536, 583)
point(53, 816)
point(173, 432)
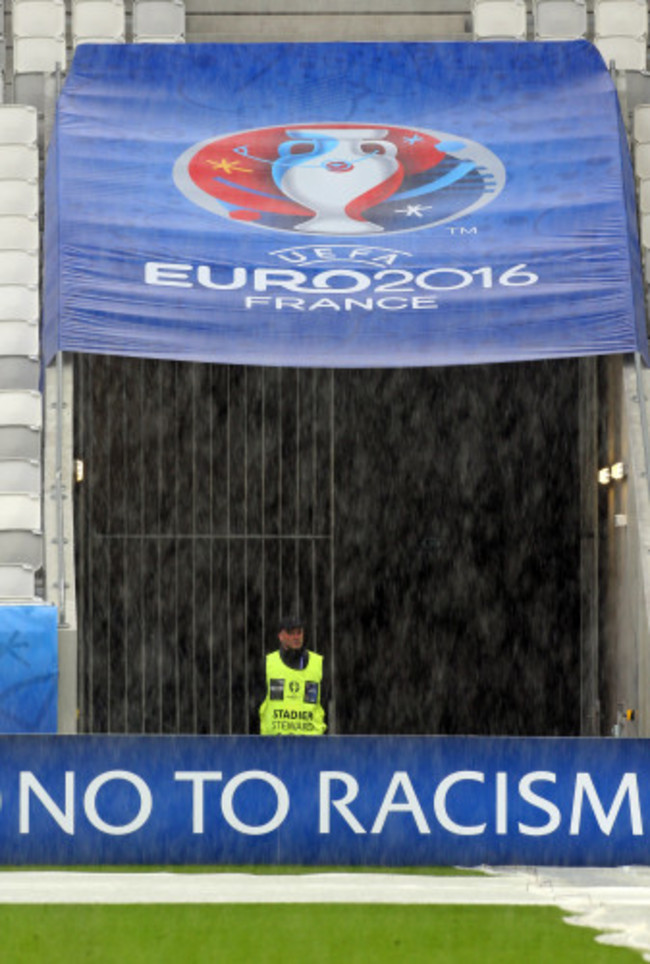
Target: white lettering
point(360, 281)
point(502, 804)
point(204, 278)
point(541, 803)
point(324, 303)
point(282, 802)
point(296, 304)
point(117, 830)
point(327, 777)
point(400, 780)
point(584, 787)
point(265, 278)
point(197, 778)
point(424, 302)
point(64, 818)
point(440, 803)
point(423, 279)
point(176, 275)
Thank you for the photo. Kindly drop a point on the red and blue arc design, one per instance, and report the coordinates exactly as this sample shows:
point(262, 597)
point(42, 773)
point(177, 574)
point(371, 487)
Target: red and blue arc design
point(250, 177)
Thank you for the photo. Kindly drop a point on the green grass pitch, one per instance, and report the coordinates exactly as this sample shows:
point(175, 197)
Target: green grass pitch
point(288, 933)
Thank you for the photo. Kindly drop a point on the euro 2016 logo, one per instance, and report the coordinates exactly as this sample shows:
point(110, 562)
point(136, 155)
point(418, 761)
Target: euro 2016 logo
point(340, 180)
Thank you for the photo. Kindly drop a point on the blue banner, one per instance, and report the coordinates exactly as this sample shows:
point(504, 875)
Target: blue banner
point(28, 669)
point(341, 205)
point(365, 801)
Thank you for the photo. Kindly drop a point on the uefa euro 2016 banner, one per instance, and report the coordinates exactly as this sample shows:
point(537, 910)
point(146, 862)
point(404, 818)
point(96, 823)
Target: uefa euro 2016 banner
point(341, 205)
point(392, 801)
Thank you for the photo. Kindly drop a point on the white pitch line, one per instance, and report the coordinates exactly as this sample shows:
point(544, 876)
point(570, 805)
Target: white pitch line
point(71, 887)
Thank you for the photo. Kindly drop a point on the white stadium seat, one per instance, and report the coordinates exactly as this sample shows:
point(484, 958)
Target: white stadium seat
point(18, 161)
point(19, 338)
point(17, 582)
point(39, 55)
point(560, 19)
point(626, 53)
point(623, 18)
point(641, 123)
point(18, 303)
point(19, 371)
point(499, 19)
point(621, 32)
point(20, 475)
point(19, 196)
point(38, 18)
point(20, 511)
point(19, 267)
point(97, 21)
point(644, 196)
point(22, 546)
point(21, 408)
point(18, 232)
point(159, 20)
point(20, 441)
point(18, 124)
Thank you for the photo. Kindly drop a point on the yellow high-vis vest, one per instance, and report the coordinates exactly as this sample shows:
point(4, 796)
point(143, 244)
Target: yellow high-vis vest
point(292, 705)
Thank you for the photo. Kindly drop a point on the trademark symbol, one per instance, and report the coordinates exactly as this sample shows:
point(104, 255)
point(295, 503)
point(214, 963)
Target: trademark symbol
point(459, 230)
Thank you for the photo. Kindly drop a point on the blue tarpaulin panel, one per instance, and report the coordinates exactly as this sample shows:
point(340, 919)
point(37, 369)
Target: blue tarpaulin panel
point(341, 205)
point(28, 669)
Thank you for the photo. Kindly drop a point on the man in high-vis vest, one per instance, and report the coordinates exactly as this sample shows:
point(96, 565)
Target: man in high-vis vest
point(294, 679)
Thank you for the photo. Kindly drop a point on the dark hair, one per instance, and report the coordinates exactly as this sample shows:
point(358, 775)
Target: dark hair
point(290, 622)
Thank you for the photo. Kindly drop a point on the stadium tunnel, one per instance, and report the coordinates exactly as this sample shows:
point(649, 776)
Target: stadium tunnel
point(439, 526)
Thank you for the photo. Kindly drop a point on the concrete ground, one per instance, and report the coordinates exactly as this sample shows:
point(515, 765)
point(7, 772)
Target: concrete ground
point(614, 901)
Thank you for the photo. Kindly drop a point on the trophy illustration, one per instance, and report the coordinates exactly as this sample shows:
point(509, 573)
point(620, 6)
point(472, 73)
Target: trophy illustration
point(327, 169)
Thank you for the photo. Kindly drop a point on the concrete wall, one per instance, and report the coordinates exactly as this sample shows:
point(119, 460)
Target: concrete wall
point(625, 553)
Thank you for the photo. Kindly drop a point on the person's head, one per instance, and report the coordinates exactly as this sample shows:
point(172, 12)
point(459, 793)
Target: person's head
point(291, 632)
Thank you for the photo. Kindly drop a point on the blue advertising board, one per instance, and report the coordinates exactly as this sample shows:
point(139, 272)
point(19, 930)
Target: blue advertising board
point(28, 668)
point(385, 801)
point(341, 205)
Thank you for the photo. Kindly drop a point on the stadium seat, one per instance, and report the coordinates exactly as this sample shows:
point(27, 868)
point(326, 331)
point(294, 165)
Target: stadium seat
point(499, 19)
point(18, 303)
point(19, 196)
point(20, 441)
point(642, 161)
point(19, 338)
point(620, 18)
point(19, 267)
point(625, 53)
point(644, 229)
point(98, 21)
point(39, 55)
point(560, 19)
point(18, 124)
point(19, 511)
point(18, 160)
point(21, 408)
point(17, 582)
point(19, 371)
point(18, 545)
point(18, 232)
point(643, 192)
point(621, 32)
point(158, 21)
point(641, 124)
point(20, 475)
point(38, 18)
